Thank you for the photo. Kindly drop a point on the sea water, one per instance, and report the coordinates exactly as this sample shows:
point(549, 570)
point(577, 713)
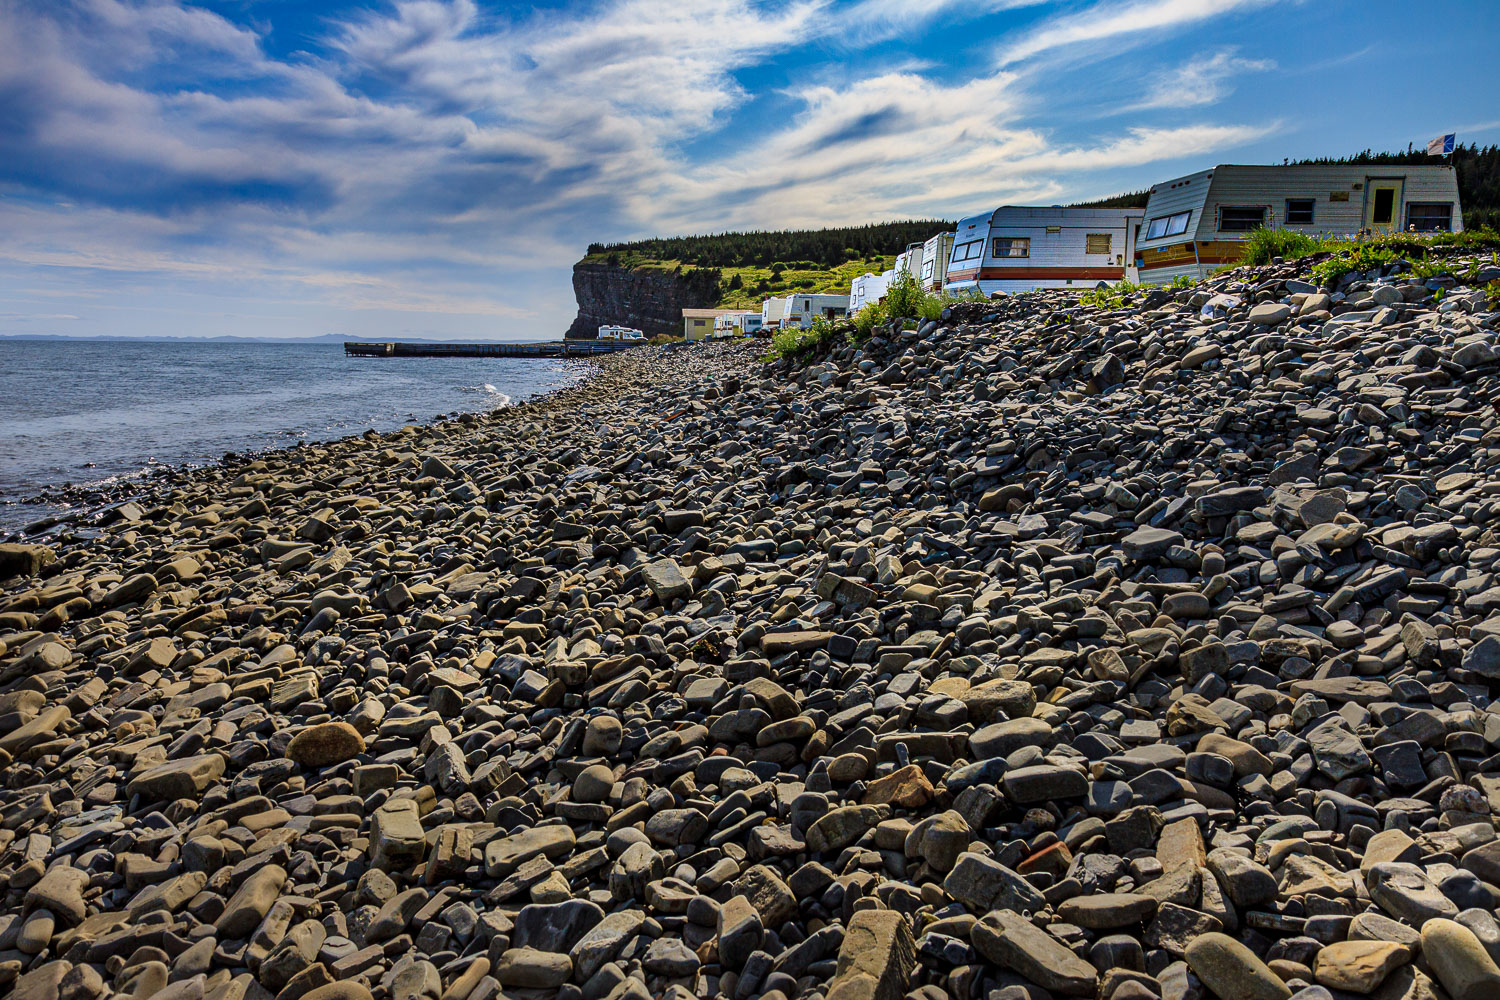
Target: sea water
point(102, 412)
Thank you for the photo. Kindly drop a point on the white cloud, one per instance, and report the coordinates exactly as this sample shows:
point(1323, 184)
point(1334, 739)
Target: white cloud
point(439, 159)
point(1109, 20)
point(1203, 80)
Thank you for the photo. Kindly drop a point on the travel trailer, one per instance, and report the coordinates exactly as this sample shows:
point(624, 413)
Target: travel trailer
point(908, 261)
point(934, 267)
point(867, 289)
point(736, 324)
point(612, 332)
point(1195, 224)
point(1019, 248)
point(800, 310)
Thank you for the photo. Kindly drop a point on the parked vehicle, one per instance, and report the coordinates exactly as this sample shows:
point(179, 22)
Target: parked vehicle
point(1195, 224)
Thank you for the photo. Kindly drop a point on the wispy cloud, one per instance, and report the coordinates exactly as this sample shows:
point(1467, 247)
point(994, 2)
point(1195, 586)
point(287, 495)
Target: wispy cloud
point(1110, 20)
point(1203, 80)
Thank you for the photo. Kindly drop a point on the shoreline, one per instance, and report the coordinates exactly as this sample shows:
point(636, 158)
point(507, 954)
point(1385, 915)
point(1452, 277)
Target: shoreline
point(92, 499)
point(1107, 649)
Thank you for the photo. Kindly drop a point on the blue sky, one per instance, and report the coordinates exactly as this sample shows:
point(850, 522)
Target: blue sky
point(434, 167)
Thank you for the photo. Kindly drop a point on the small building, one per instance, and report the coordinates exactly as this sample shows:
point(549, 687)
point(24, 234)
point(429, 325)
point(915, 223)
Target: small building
point(1018, 248)
point(740, 323)
point(1197, 223)
point(868, 289)
point(934, 266)
point(612, 332)
point(802, 309)
point(698, 324)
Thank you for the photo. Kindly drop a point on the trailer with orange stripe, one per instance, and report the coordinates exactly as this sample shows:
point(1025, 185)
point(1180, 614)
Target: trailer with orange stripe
point(1198, 223)
point(1018, 248)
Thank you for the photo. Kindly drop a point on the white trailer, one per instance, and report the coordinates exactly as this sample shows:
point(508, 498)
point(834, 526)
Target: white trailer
point(801, 309)
point(935, 254)
point(611, 331)
point(1019, 248)
point(868, 288)
point(1198, 223)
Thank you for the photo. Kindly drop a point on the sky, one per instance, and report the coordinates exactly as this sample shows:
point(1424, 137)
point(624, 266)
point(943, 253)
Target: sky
point(433, 168)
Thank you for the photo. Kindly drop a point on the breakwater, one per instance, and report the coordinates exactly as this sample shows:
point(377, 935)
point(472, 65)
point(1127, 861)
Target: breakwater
point(537, 349)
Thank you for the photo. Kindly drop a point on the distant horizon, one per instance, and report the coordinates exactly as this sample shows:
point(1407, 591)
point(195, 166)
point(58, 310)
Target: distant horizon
point(324, 338)
point(430, 169)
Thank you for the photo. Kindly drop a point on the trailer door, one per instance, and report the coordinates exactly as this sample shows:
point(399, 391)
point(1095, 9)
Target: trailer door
point(1383, 203)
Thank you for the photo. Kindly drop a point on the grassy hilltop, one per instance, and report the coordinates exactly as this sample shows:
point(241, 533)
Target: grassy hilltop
point(750, 267)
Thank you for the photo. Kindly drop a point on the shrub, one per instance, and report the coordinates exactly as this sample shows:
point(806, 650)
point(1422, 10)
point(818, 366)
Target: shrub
point(906, 299)
point(1264, 245)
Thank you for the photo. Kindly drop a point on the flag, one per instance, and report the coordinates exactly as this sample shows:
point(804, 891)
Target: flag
point(1441, 146)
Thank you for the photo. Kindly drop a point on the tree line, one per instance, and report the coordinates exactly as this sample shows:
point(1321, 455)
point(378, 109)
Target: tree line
point(809, 247)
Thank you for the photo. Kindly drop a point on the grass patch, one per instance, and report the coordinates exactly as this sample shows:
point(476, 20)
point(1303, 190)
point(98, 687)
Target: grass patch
point(1264, 245)
point(1121, 293)
point(1347, 255)
point(800, 345)
point(906, 299)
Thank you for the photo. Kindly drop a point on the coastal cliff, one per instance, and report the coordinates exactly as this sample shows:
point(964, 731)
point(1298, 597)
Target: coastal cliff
point(649, 299)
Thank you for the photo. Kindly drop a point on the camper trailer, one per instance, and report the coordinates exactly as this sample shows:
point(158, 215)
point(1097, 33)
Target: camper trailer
point(908, 261)
point(802, 309)
point(1195, 224)
point(1018, 248)
point(868, 289)
point(611, 331)
point(935, 254)
point(742, 323)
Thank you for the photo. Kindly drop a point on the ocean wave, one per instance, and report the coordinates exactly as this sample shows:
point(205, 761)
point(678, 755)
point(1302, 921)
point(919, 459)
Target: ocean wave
point(497, 398)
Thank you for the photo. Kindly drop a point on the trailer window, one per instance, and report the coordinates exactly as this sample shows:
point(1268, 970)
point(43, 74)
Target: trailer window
point(1097, 243)
point(972, 250)
point(1430, 217)
point(1299, 211)
point(927, 267)
point(1012, 246)
point(1167, 225)
point(1241, 218)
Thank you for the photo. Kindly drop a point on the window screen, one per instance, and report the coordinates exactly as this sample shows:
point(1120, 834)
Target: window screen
point(1241, 219)
point(1428, 217)
point(1010, 246)
point(1299, 211)
point(1097, 243)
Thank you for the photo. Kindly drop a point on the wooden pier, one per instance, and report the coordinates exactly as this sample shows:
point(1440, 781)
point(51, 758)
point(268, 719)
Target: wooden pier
point(538, 349)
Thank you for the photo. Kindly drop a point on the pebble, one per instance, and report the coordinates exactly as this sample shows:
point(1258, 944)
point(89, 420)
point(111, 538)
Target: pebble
point(1037, 650)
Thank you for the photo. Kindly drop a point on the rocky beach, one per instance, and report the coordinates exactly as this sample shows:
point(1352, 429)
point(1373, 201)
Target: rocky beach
point(1045, 650)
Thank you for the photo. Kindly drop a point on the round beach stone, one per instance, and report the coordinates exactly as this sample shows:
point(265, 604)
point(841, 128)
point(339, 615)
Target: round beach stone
point(1232, 970)
point(325, 744)
point(593, 784)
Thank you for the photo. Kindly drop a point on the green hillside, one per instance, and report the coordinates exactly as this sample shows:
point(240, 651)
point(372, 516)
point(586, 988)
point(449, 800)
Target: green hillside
point(753, 266)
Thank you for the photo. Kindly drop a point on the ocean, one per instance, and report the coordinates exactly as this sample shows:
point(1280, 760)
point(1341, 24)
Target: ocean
point(98, 413)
